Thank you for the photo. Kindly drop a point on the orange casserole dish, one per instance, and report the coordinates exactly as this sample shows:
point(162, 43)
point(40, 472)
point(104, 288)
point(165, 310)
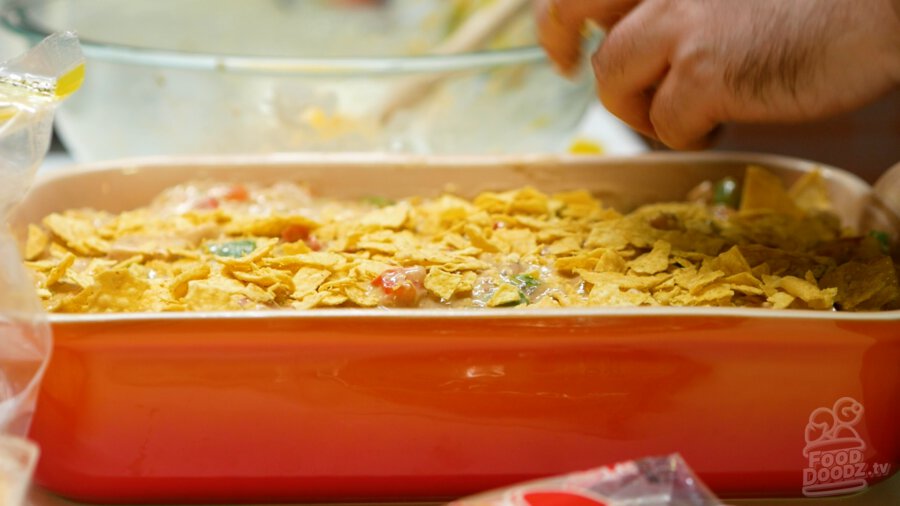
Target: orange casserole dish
point(431, 404)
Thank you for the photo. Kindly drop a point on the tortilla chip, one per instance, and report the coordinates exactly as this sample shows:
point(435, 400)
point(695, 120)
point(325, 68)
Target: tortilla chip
point(479, 239)
point(810, 193)
point(265, 277)
point(216, 294)
point(694, 281)
point(612, 295)
point(59, 270)
point(657, 260)
point(781, 300)
point(114, 290)
point(808, 292)
point(864, 285)
point(78, 233)
point(392, 217)
point(764, 191)
point(731, 262)
point(36, 243)
point(506, 295)
point(442, 284)
point(268, 226)
point(179, 286)
point(307, 280)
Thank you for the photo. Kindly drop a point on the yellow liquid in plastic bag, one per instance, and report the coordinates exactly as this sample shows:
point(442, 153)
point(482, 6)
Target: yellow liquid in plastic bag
point(25, 92)
point(70, 82)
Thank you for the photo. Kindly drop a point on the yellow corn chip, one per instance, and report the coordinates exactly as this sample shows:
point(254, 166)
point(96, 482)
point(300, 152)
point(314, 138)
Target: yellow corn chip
point(810, 193)
point(392, 217)
point(265, 277)
point(307, 280)
point(566, 245)
point(318, 259)
point(59, 270)
point(479, 239)
point(505, 295)
point(268, 226)
point(657, 260)
point(442, 284)
point(764, 191)
point(695, 281)
point(78, 234)
point(809, 292)
point(179, 286)
point(36, 243)
point(781, 300)
point(216, 293)
point(731, 262)
point(362, 294)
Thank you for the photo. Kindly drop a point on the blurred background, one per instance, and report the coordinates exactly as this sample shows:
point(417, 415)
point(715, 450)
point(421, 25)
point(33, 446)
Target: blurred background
point(233, 76)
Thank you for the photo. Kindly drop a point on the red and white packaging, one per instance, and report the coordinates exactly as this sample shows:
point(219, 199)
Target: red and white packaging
point(652, 481)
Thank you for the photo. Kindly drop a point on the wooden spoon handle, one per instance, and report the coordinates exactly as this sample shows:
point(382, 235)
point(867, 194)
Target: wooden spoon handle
point(472, 35)
point(478, 29)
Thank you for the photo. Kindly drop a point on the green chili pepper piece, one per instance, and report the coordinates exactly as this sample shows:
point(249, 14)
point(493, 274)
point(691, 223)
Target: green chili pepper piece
point(523, 299)
point(726, 193)
point(378, 201)
point(525, 282)
point(233, 249)
point(884, 241)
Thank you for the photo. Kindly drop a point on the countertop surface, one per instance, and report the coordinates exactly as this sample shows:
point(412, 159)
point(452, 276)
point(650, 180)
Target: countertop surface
point(886, 493)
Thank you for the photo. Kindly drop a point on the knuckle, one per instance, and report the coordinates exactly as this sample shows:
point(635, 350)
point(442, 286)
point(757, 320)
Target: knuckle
point(663, 119)
point(678, 128)
point(600, 66)
point(694, 61)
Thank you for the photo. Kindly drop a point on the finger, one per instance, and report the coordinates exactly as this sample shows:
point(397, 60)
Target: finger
point(631, 62)
point(562, 44)
point(684, 111)
point(560, 24)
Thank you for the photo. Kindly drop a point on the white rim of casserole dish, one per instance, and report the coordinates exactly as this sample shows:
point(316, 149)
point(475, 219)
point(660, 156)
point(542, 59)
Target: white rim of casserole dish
point(487, 314)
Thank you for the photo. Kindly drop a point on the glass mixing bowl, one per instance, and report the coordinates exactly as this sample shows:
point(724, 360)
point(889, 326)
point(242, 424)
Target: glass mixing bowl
point(231, 76)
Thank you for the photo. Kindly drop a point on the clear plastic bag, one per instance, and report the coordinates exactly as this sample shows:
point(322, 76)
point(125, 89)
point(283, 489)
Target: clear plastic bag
point(653, 481)
point(31, 86)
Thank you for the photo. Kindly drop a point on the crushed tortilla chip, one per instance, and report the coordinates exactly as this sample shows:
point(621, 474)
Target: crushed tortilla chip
point(179, 286)
point(36, 243)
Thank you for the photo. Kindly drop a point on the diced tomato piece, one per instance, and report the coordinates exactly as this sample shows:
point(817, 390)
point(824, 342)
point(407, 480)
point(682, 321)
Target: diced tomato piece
point(207, 203)
point(237, 193)
point(405, 294)
point(386, 279)
point(294, 233)
point(313, 243)
point(402, 287)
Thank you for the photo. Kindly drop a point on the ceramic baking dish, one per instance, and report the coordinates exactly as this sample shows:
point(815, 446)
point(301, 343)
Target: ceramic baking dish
point(382, 405)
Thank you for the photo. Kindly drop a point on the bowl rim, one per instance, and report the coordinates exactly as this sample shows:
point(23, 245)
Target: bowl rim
point(13, 18)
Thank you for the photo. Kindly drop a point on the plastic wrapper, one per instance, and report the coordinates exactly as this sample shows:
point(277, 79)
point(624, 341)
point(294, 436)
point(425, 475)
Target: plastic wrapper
point(653, 481)
point(31, 86)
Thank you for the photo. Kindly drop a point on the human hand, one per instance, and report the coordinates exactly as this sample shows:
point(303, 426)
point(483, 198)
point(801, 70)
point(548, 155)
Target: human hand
point(676, 69)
